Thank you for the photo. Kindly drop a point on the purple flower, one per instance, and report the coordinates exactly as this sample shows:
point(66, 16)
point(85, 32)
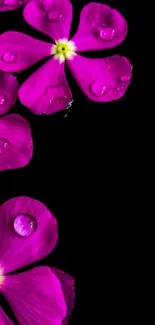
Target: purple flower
point(7, 5)
point(41, 295)
point(16, 145)
point(8, 91)
point(47, 90)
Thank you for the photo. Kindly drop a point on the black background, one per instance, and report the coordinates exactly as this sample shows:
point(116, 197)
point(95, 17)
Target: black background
point(80, 172)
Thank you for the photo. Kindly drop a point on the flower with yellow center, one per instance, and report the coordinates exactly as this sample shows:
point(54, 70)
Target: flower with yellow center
point(1, 276)
point(63, 49)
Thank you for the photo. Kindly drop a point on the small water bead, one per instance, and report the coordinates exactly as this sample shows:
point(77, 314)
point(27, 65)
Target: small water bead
point(25, 225)
point(108, 64)
point(103, 25)
point(55, 100)
point(9, 57)
point(120, 88)
point(12, 3)
point(54, 16)
point(2, 100)
point(125, 78)
point(3, 145)
point(107, 33)
point(98, 88)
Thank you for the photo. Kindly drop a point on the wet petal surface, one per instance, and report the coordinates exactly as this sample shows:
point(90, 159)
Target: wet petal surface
point(28, 232)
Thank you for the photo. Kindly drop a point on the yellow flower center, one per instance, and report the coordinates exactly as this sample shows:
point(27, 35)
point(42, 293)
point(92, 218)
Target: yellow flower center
point(63, 49)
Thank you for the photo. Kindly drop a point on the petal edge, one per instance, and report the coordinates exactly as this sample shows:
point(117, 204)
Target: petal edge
point(16, 145)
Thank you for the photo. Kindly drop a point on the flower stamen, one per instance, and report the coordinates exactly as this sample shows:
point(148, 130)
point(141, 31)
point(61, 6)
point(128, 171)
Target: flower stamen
point(63, 49)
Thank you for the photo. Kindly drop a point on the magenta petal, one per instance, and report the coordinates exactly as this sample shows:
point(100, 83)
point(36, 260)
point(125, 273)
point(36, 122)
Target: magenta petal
point(50, 17)
point(101, 27)
point(28, 232)
point(16, 145)
point(68, 287)
point(46, 91)
point(35, 297)
point(4, 320)
point(102, 80)
point(19, 51)
point(8, 5)
point(8, 91)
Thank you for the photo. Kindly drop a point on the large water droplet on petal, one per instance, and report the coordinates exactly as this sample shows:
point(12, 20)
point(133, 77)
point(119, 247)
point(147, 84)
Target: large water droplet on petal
point(107, 33)
point(9, 57)
point(3, 145)
point(25, 225)
point(98, 88)
point(2, 100)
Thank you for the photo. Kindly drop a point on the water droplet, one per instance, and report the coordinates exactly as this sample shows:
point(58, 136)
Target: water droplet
point(120, 88)
point(125, 78)
point(62, 99)
point(8, 57)
point(25, 225)
point(21, 2)
point(11, 3)
point(3, 145)
point(103, 25)
point(107, 33)
point(54, 15)
point(2, 100)
point(98, 88)
point(108, 64)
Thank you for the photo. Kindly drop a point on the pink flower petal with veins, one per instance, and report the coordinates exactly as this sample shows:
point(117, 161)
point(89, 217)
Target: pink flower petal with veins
point(8, 91)
point(8, 5)
point(16, 145)
point(53, 18)
point(100, 27)
point(36, 297)
point(51, 92)
point(19, 51)
point(102, 80)
point(4, 319)
point(28, 232)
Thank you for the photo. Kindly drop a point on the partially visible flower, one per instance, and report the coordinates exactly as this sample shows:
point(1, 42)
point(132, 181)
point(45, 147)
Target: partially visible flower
point(7, 5)
point(47, 90)
point(41, 295)
point(8, 91)
point(16, 146)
